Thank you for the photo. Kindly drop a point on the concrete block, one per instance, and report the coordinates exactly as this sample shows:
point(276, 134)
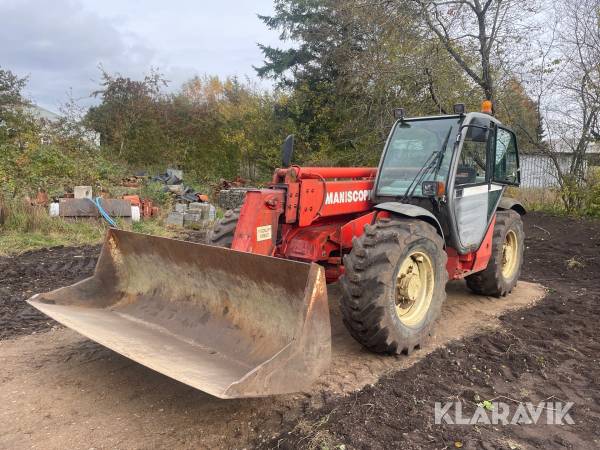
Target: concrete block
point(232, 198)
point(191, 217)
point(175, 218)
point(200, 208)
point(82, 207)
point(54, 209)
point(181, 207)
point(82, 192)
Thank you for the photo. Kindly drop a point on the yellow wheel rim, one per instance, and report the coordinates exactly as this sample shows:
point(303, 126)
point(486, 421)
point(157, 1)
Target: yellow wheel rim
point(510, 255)
point(414, 288)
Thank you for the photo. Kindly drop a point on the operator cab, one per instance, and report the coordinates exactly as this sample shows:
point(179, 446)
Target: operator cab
point(455, 166)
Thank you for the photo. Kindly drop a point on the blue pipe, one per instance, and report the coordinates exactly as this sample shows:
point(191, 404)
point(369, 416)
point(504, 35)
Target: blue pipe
point(103, 213)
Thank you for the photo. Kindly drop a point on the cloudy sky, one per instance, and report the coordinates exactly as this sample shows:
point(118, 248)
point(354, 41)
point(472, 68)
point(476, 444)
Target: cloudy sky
point(60, 43)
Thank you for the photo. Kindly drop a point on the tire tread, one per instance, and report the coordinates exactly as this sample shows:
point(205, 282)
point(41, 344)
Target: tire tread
point(223, 230)
point(370, 268)
point(489, 281)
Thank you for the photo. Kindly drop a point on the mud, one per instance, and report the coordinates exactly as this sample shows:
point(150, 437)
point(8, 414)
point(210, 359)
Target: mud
point(61, 390)
point(549, 352)
point(38, 271)
point(463, 314)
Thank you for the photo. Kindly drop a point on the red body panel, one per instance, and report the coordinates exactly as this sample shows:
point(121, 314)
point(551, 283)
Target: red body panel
point(459, 266)
point(257, 227)
point(321, 173)
point(332, 199)
point(313, 214)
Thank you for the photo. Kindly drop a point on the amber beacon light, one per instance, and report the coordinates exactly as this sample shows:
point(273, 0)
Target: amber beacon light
point(486, 107)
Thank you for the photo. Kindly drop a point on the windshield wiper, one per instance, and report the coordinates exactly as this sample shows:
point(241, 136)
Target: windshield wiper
point(429, 164)
point(434, 161)
point(443, 151)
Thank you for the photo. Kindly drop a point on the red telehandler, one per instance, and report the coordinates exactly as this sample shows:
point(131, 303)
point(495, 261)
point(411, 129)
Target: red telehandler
point(248, 314)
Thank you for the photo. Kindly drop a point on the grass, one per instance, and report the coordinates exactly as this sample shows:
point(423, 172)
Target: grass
point(70, 234)
point(316, 436)
point(25, 228)
point(550, 200)
point(538, 199)
point(152, 226)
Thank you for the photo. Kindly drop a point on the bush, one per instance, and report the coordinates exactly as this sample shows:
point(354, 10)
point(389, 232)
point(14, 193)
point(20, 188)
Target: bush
point(155, 191)
point(23, 171)
point(579, 199)
point(592, 193)
point(21, 217)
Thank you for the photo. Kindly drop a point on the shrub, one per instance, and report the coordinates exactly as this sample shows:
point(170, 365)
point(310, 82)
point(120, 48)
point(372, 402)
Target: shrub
point(20, 216)
point(155, 191)
point(592, 193)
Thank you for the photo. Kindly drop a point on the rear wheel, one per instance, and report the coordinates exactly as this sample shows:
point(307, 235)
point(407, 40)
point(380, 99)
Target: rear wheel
point(222, 232)
point(394, 285)
point(503, 271)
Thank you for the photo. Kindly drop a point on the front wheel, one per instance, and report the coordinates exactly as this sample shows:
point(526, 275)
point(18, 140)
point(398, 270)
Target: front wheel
point(394, 285)
point(504, 268)
point(223, 231)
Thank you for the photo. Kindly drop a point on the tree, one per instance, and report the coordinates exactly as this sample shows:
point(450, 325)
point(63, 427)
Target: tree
point(195, 128)
point(28, 160)
point(516, 108)
point(476, 34)
point(233, 128)
point(18, 131)
point(13, 118)
point(350, 64)
point(127, 117)
point(563, 78)
point(10, 90)
point(575, 120)
point(214, 128)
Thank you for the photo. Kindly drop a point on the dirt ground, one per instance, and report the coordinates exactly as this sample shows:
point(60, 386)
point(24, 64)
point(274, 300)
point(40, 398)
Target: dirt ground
point(33, 272)
point(548, 352)
point(59, 390)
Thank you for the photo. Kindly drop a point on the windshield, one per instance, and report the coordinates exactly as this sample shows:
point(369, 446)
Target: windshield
point(411, 145)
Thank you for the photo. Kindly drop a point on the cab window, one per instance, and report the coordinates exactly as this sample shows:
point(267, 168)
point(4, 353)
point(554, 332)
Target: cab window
point(472, 164)
point(506, 167)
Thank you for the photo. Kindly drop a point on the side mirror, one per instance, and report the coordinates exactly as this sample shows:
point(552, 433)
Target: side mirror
point(477, 135)
point(478, 130)
point(287, 150)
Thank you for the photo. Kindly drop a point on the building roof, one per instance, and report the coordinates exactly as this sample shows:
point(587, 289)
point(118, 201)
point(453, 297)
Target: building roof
point(41, 113)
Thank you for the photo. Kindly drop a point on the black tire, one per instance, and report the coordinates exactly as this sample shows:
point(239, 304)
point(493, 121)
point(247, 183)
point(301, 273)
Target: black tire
point(492, 281)
point(222, 232)
point(369, 285)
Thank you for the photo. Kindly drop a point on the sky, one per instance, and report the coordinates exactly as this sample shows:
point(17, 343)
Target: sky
point(59, 44)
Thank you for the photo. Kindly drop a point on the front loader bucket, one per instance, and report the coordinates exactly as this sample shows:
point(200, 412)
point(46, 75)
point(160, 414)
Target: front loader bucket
point(228, 323)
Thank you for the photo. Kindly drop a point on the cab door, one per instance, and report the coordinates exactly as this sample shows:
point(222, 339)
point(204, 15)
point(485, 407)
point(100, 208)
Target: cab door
point(506, 158)
point(475, 194)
